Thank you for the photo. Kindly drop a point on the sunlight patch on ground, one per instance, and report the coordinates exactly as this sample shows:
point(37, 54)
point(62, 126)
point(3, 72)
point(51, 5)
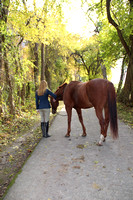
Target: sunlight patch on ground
point(63, 109)
point(116, 72)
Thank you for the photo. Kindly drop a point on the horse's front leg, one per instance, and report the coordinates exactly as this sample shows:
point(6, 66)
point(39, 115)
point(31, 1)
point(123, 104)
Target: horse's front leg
point(81, 121)
point(69, 115)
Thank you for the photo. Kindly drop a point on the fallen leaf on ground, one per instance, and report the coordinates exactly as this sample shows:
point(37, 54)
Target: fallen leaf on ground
point(96, 186)
point(80, 146)
point(96, 162)
point(76, 167)
point(129, 168)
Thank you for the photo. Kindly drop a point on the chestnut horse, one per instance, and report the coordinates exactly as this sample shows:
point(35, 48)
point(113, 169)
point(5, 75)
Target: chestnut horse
point(97, 93)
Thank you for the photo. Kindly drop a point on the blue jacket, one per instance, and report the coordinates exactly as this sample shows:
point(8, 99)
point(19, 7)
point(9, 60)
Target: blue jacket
point(42, 101)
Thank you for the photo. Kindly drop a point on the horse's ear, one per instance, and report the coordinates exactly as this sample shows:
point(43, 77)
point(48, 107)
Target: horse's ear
point(64, 84)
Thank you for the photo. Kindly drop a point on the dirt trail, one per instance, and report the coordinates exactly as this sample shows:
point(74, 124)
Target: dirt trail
point(76, 168)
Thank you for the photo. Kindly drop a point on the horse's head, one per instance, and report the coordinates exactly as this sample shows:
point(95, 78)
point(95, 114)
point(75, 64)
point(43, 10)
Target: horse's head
point(54, 104)
point(59, 93)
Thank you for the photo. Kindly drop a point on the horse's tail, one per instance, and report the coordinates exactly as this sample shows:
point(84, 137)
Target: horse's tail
point(112, 110)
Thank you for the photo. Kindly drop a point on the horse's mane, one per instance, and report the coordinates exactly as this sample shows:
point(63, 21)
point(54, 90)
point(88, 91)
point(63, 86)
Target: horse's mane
point(63, 85)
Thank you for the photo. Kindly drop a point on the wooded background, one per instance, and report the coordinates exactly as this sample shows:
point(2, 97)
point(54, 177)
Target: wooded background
point(35, 45)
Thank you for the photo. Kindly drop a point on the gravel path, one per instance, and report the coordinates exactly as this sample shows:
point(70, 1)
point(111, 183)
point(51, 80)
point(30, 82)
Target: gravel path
point(76, 168)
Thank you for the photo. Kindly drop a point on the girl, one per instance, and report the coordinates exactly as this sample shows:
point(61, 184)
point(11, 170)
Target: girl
point(43, 106)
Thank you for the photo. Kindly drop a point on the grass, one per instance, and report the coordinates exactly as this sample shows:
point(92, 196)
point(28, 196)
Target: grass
point(125, 114)
point(12, 129)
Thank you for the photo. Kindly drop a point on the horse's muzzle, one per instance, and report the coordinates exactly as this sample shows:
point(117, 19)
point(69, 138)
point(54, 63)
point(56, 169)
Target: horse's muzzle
point(53, 111)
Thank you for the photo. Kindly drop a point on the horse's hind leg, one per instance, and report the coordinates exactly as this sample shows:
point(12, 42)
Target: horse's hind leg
point(81, 121)
point(69, 115)
point(102, 125)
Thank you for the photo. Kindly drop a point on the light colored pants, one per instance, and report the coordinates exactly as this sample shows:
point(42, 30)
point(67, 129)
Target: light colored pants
point(44, 113)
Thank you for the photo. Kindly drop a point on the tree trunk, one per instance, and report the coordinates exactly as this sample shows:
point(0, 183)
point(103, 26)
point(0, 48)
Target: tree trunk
point(4, 14)
point(48, 75)
point(127, 92)
point(103, 68)
point(122, 76)
point(131, 63)
point(36, 68)
point(23, 93)
point(9, 86)
point(1, 72)
point(18, 96)
point(47, 66)
point(1, 59)
point(42, 62)
point(27, 90)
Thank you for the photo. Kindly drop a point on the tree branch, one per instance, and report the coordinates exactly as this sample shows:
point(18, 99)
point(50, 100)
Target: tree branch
point(111, 21)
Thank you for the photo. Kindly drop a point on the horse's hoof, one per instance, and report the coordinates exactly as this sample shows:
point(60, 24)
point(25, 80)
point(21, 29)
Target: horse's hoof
point(99, 144)
point(67, 135)
point(84, 135)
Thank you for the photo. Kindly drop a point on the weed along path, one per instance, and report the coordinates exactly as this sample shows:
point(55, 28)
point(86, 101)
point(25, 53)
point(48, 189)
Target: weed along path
point(76, 168)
